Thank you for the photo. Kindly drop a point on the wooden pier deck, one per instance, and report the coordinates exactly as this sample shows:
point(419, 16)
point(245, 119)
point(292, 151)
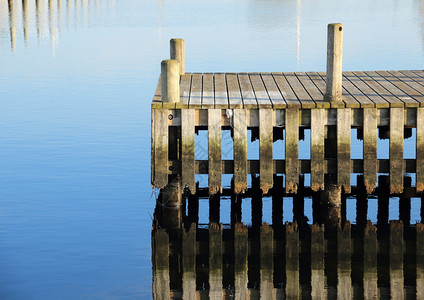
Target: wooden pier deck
point(281, 105)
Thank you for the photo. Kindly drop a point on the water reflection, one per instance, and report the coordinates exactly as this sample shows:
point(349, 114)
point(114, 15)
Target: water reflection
point(326, 260)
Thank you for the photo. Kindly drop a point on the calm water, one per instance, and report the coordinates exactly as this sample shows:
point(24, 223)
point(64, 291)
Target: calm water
point(77, 78)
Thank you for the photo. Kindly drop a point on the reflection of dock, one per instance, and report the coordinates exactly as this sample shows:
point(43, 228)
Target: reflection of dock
point(282, 106)
point(288, 262)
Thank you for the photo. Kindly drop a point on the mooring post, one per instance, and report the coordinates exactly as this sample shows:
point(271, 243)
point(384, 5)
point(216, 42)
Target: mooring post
point(334, 62)
point(177, 49)
point(170, 80)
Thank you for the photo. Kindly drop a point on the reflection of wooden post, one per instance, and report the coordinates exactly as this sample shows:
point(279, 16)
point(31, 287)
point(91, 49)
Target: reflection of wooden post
point(214, 208)
point(189, 262)
point(267, 264)
point(361, 203)
point(215, 261)
point(240, 261)
point(405, 204)
point(370, 261)
point(292, 261)
point(383, 202)
point(333, 196)
point(317, 262)
point(343, 260)
point(396, 260)
point(160, 251)
point(420, 260)
point(334, 62)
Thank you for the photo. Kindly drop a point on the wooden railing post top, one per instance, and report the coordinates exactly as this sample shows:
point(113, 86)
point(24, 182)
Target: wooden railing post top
point(170, 80)
point(177, 51)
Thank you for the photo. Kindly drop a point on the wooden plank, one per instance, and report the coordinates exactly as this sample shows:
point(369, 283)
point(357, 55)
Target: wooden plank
point(273, 91)
point(196, 91)
point(160, 138)
point(353, 91)
point(214, 155)
point(157, 99)
point(308, 82)
point(396, 260)
point(319, 79)
point(185, 87)
point(343, 148)
point(265, 149)
point(317, 149)
point(189, 262)
point(208, 91)
point(266, 258)
point(304, 98)
point(358, 81)
point(187, 149)
point(241, 249)
point(240, 150)
point(408, 86)
point(286, 90)
point(247, 94)
point(370, 261)
point(292, 261)
point(370, 149)
point(378, 89)
point(221, 95)
point(396, 150)
point(234, 93)
point(318, 280)
point(381, 79)
point(215, 261)
point(420, 150)
point(292, 150)
point(260, 91)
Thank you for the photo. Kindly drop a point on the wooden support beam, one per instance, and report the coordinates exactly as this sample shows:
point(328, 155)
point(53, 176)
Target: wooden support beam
point(214, 143)
point(370, 149)
point(343, 148)
point(396, 150)
point(160, 139)
point(334, 62)
point(240, 150)
point(187, 149)
point(420, 149)
point(317, 149)
point(266, 171)
point(292, 150)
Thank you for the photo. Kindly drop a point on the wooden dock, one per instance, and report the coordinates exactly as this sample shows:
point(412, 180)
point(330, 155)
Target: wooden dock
point(385, 104)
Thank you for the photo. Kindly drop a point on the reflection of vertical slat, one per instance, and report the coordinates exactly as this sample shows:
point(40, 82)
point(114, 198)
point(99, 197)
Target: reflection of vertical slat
point(12, 24)
point(370, 149)
point(317, 262)
point(420, 149)
point(370, 261)
point(396, 150)
point(396, 259)
point(189, 262)
point(160, 139)
point(317, 149)
point(240, 261)
point(267, 264)
point(214, 140)
point(292, 261)
point(240, 150)
point(187, 147)
point(292, 150)
point(265, 149)
point(420, 260)
point(160, 244)
point(343, 260)
point(343, 148)
point(26, 20)
point(215, 261)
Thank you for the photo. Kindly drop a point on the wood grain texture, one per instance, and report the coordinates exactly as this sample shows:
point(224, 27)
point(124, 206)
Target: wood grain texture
point(187, 149)
point(343, 148)
point(160, 133)
point(292, 150)
point(317, 149)
point(214, 154)
point(420, 149)
point(370, 149)
point(266, 170)
point(396, 150)
point(240, 150)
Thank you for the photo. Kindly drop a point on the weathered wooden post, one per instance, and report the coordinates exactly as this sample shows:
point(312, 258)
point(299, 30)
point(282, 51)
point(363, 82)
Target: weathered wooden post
point(177, 50)
point(170, 80)
point(334, 62)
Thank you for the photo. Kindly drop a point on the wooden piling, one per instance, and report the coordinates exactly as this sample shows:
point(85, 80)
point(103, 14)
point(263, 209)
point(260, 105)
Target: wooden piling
point(396, 150)
point(240, 150)
point(215, 261)
point(317, 149)
point(370, 149)
point(317, 262)
point(187, 149)
point(292, 261)
point(292, 150)
point(170, 80)
point(214, 154)
point(266, 170)
point(343, 148)
point(177, 51)
point(240, 261)
point(344, 290)
point(334, 62)
point(396, 260)
point(160, 147)
point(420, 150)
point(189, 262)
point(370, 261)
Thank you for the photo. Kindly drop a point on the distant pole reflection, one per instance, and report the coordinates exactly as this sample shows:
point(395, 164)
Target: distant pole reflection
point(12, 25)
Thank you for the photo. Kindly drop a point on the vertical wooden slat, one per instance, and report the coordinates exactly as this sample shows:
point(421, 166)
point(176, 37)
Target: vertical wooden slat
point(265, 149)
point(267, 264)
point(187, 149)
point(370, 261)
point(317, 149)
point(420, 149)
point(370, 149)
point(396, 150)
point(343, 148)
point(240, 261)
point(160, 138)
point(215, 261)
point(292, 261)
point(160, 252)
point(420, 259)
point(214, 143)
point(343, 262)
point(396, 260)
point(292, 150)
point(189, 262)
point(317, 263)
point(240, 150)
